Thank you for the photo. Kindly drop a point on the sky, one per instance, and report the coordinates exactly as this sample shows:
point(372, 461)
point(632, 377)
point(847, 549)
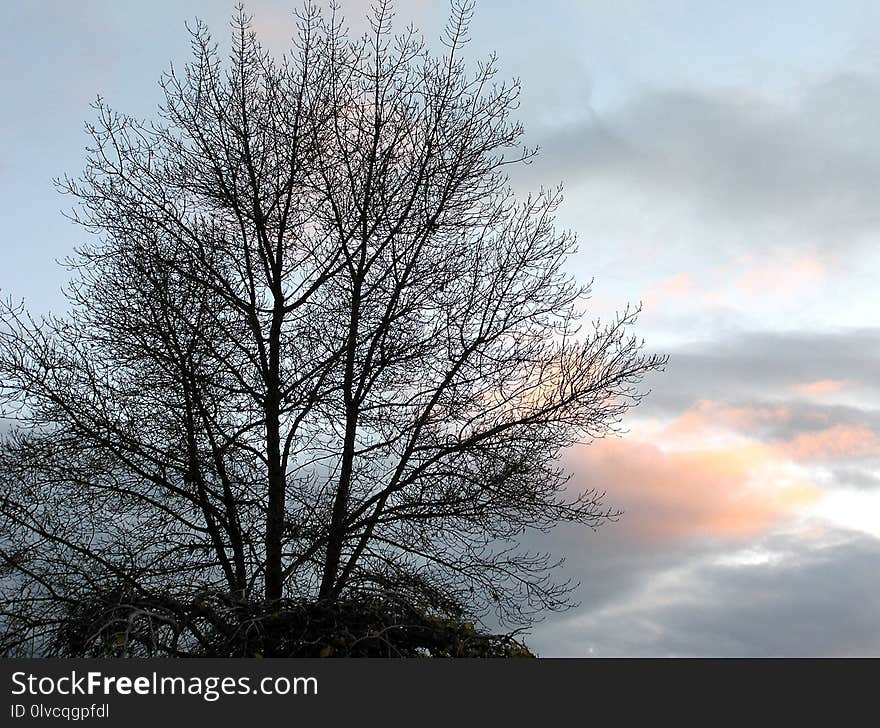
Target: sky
point(721, 165)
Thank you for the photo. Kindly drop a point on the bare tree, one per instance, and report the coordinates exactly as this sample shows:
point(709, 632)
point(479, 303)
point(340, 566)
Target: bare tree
point(317, 351)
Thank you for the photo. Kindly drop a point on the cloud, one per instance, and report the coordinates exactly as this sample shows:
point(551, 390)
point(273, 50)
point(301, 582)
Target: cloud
point(835, 443)
point(786, 279)
point(744, 282)
point(751, 366)
point(708, 415)
point(766, 423)
point(676, 286)
point(777, 596)
point(750, 506)
point(808, 161)
point(820, 387)
point(740, 465)
point(725, 493)
point(853, 477)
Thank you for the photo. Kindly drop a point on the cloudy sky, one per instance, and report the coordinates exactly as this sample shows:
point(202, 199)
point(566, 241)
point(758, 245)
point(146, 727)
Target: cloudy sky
point(721, 162)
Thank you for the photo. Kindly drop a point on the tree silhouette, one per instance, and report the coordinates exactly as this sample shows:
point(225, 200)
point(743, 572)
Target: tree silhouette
point(318, 353)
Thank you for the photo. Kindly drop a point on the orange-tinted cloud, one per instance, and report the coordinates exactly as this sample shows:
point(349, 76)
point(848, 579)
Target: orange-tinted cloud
point(834, 443)
point(742, 280)
point(673, 287)
point(823, 386)
point(725, 493)
point(784, 277)
point(708, 415)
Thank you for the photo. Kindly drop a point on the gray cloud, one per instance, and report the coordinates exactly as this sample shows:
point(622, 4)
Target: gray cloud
point(704, 606)
point(808, 163)
point(854, 477)
point(749, 367)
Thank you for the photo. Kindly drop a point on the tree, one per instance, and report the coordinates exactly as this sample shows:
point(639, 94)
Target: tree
point(318, 353)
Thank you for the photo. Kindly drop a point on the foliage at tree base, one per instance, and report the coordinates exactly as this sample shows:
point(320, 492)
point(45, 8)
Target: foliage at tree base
point(213, 625)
